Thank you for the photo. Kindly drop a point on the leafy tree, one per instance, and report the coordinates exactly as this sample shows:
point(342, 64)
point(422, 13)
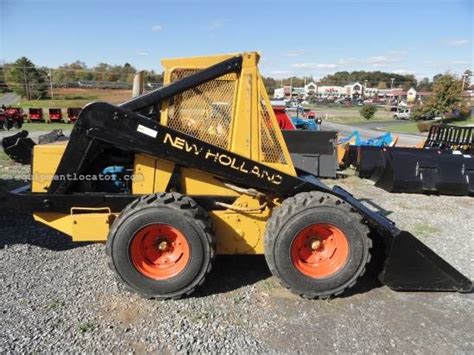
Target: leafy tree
point(270, 84)
point(446, 97)
point(153, 77)
point(25, 79)
point(368, 111)
point(436, 77)
point(3, 85)
point(71, 72)
point(372, 77)
point(424, 85)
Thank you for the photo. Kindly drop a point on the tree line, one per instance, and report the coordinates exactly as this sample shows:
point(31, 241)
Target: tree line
point(373, 79)
point(32, 82)
point(26, 79)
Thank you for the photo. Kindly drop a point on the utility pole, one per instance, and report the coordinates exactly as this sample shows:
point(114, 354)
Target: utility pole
point(25, 84)
point(51, 83)
point(138, 84)
point(391, 90)
point(463, 81)
point(291, 88)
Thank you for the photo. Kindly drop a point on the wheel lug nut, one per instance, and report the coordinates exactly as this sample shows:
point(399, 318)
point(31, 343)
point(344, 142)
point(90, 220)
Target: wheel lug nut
point(315, 244)
point(163, 245)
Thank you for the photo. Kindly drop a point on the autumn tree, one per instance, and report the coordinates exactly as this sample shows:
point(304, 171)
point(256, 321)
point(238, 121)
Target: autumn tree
point(446, 97)
point(25, 79)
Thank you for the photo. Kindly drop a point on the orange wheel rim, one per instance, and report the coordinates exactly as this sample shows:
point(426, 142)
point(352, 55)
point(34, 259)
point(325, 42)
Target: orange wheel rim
point(159, 251)
point(320, 250)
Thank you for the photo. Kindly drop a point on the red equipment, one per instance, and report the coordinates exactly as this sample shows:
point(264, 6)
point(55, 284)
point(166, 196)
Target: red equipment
point(73, 113)
point(309, 114)
point(12, 117)
point(3, 119)
point(35, 115)
point(55, 115)
point(282, 118)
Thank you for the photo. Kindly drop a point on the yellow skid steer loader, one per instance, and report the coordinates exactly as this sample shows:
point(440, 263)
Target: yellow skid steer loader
point(199, 167)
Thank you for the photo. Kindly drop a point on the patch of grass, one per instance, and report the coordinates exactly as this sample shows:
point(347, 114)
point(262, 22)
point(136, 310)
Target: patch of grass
point(332, 108)
point(77, 97)
point(423, 230)
point(239, 299)
point(468, 122)
point(268, 285)
point(356, 119)
point(86, 327)
point(409, 127)
point(45, 126)
point(53, 104)
point(3, 157)
point(54, 304)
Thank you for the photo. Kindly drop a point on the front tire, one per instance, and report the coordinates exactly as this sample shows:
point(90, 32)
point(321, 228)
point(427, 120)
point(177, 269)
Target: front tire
point(161, 246)
point(316, 245)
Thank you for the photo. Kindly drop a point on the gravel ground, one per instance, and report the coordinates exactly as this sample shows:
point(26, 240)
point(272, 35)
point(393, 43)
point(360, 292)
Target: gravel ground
point(60, 296)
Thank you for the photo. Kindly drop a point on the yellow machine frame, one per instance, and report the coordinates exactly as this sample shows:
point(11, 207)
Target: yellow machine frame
point(239, 228)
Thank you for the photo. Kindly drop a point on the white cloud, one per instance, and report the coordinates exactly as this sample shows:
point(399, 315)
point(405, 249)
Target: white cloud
point(156, 28)
point(295, 53)
point(280, 72)
point(402, 71)
point(216, 24)
point(377, 61)
point(458, 42)
point(313, 66)
point(143, 53)
point(460, 62)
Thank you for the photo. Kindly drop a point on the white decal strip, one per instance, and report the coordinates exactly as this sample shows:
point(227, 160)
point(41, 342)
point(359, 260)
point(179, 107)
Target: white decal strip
point(148, 131)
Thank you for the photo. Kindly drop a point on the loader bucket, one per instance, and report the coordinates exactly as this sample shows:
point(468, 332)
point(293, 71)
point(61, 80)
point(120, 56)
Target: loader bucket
point(451, 137)
point(426, 170)
point(411, 266)
point(313, 151)
point(19, 147)
point(350, 156)
point(56, 135)
point(369, 161)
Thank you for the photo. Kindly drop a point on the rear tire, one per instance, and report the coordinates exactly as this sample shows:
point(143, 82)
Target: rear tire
point(161, 246)
point(316, 245)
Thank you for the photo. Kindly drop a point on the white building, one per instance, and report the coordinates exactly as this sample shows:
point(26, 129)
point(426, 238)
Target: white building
point(411, 95)
point(327, 91)
point(354, 90)
point(279, 93)
point(311, 88)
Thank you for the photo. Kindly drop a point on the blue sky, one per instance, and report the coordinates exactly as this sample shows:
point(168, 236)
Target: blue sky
point(294, 37)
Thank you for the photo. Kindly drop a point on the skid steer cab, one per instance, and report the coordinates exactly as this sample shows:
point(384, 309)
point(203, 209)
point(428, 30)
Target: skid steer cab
point(199, 167)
